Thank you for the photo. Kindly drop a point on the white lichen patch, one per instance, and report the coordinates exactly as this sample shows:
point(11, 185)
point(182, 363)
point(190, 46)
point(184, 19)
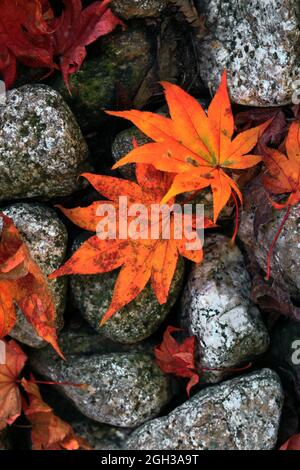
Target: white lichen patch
point(241, 414)
point(217, 309)
point(42, 150)
point(258, 43)
point(125, 389)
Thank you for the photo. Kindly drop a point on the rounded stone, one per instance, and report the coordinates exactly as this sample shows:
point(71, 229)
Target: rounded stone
point(240, 414)
point(258, 43)
point(122, 389)
point(42, 150)
point(135, 321)
point(257, 231)
point(46, 238)
point(129, 9)
point(217, 309)
point(101, 82)
point(123, 144)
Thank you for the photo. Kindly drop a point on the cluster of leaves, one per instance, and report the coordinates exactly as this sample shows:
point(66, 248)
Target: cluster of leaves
point(192, 150)
point(32, 35)
point(48, 431)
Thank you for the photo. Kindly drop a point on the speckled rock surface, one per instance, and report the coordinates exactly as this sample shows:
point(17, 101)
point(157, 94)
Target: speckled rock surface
point(101, 436)
point(257, 239)
point(46, 238)
point(134, 322)
point(129, 9)
point(82, 339)
point(124, 389)
point(123, 144)
point(216, 308)
point(258, 43)
point(100, 82)
point(42, 151)
point(241, 414)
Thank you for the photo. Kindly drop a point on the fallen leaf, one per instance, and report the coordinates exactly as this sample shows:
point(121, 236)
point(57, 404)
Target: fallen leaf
point(10, 397)
point(22, 282)
point(196, 146)
point(293, 443)
point(141, 258)
point(49, 432)
point(283, 177)
point(77, 29)
point(32, 35)
point(178, 358)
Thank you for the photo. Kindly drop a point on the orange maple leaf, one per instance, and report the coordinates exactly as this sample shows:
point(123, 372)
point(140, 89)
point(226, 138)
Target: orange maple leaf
point(198, 147)
point(283, 177)
point(10, 397)
point(140, 259)
point(49, 432)
point(22, 282)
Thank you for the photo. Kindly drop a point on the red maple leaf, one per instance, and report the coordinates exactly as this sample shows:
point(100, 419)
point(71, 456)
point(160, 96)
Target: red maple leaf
point(293, 443)
point(30, 34)
point(178, 358)
point(77, 29)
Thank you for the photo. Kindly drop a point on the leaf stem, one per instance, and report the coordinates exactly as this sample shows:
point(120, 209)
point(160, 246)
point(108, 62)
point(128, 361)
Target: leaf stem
point(270, 252)
point(236, 218)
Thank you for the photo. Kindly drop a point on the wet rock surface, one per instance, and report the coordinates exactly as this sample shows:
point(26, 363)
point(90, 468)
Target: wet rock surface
point(258, 43)
point(258, 228)
point(100, 436)
point(134, 322)
point(123, 144)
point(217, 309)
point(42, 151)
point(123, 389)
point(240, 414)
point(101, 82)
point(46, 238)
point(129, 9)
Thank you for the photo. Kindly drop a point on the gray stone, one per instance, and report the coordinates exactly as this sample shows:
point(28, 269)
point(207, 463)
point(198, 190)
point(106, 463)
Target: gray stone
point(81, 339)
point(123, 389)
point(257, 238)
point(241, 414)
point(258, 43)
point(134, 322)
point(217, 309)
point(46, 238)
point(101, 436)
point(129, 9)
point(42, 151)
point(123, 144)
point(101, 82)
